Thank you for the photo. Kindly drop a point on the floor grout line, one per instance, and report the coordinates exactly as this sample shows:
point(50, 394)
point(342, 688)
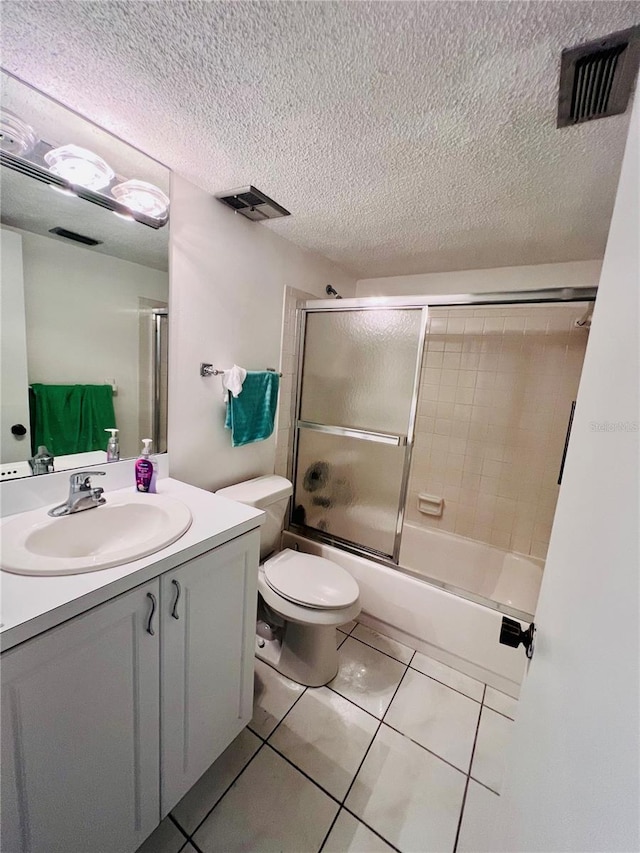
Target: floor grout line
point(371, 829)
point(374, 736)
point(364, 758)
point(226, 790)
point(174, 820)
point(195, 846)
point(425, 748)
point(355, 775)
point(386, 654)
point(265, 741)
point(466, 786)
point(484, 785)
point(444, 683)
point(342, 696)
point(475, 740)
point(462, 805)
point(328, 833)
point(285, 715)
point(304, 773)
point(502, 714)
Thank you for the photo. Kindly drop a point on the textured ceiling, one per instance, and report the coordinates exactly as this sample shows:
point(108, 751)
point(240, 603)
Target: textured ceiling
point(404, 137)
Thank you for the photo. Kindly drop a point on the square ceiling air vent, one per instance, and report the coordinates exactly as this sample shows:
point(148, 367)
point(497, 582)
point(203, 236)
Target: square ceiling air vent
point(252, 203)
point(596, 78)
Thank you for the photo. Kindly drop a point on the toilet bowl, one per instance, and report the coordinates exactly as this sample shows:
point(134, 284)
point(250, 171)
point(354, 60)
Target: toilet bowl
point(302, 598)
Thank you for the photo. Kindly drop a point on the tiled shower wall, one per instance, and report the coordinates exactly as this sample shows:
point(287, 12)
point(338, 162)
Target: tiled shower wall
point(495, 397)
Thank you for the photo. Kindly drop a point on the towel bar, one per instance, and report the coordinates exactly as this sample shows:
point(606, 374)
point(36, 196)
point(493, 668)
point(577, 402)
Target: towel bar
point(210, 370)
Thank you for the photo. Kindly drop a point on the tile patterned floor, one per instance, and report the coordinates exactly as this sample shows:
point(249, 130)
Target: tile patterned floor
point(399, 752)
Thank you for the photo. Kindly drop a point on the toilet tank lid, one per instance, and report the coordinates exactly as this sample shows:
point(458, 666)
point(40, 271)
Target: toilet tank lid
point(259, 492)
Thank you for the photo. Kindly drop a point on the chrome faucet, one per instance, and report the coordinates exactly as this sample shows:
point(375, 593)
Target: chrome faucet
point(82, 495)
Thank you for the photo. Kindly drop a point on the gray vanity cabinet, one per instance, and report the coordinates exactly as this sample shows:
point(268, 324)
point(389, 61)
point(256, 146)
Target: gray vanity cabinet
point(80, 729)
point(109, 718)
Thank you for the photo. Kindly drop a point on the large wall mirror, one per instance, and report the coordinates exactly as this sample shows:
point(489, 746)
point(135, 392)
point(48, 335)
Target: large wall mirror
point(84, 289)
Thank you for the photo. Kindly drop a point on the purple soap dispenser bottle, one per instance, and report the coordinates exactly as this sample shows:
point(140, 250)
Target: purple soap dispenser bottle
point(145, 469)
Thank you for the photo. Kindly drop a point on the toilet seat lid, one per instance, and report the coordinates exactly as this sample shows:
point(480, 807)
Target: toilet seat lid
point(311, 581)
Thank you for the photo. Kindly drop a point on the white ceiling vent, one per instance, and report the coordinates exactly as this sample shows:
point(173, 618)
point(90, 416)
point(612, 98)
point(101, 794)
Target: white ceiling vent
point(252, 203)
point(596, 78)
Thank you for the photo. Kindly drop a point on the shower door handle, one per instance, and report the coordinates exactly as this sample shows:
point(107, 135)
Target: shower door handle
point(352, 432)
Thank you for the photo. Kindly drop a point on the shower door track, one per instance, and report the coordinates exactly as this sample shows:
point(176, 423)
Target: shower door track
point(506, 297)
point(375, 556)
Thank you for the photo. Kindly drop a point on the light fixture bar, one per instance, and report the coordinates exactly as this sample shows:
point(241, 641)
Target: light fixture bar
point(40, 173)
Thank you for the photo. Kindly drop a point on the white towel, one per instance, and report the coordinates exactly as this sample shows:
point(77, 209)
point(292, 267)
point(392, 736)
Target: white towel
point(232, 380)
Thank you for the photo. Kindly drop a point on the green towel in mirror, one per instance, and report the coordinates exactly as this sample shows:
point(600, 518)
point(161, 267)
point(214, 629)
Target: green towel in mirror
point(71, 418)
point(251, 415)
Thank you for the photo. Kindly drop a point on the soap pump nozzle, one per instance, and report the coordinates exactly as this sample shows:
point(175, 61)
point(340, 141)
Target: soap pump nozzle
point(146, 446)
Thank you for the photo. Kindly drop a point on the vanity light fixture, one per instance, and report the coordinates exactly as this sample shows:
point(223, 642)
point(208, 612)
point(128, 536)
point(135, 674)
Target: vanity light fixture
point(80, 167)
point(75, 171)
point(62, 190)
point(16, 136)
point(142, 196)
point(128, 217)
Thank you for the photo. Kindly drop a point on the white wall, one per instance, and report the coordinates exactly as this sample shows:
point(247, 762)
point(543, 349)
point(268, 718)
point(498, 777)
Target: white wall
point(82, 321)
point(574, 274)
point(227, 288)
point(574, 774)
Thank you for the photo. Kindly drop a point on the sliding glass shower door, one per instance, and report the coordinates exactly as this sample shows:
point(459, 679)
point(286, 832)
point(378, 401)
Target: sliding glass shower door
point(356, 412)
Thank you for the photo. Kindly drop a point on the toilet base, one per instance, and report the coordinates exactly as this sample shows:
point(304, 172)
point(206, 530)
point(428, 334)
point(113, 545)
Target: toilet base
point(306, 654)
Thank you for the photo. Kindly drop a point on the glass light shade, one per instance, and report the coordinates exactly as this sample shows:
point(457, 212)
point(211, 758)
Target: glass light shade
point(16, 136)
point(142, 197)
point(80, 167)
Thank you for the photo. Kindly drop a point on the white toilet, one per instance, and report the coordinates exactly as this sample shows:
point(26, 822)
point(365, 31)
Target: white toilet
point(302, 598)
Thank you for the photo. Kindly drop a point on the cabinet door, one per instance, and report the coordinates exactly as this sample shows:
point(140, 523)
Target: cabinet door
point(207, 660)
point(80, 732)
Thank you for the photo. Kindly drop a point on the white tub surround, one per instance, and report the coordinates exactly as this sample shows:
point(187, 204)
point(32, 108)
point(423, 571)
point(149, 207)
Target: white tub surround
point(31, 605)
point(473, 568)
point(441, 624)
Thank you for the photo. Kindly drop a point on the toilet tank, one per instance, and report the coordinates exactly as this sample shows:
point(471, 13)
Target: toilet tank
point(270, 494)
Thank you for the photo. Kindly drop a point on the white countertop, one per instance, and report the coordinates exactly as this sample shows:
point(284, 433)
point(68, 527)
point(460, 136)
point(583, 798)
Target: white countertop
point(30, 605)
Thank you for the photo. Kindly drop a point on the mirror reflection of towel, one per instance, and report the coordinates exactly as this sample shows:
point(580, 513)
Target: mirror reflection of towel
point(71, 418)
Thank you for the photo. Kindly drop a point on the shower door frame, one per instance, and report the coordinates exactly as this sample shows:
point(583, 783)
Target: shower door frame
point(359, 434)
point(160, 335)
point(371, 303)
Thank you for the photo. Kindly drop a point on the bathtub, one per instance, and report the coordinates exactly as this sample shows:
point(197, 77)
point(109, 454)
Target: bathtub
point(512, 580)
point(458, 631)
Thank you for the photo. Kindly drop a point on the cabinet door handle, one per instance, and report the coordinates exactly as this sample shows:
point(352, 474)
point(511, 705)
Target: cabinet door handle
point(174, 612)
point(151, 614)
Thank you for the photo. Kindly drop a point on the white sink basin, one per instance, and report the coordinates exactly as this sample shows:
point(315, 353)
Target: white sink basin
point(124, 529)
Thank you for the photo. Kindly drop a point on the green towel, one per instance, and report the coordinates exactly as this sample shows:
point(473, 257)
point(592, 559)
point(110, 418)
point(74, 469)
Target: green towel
point(71, 418)
point(251, 415)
